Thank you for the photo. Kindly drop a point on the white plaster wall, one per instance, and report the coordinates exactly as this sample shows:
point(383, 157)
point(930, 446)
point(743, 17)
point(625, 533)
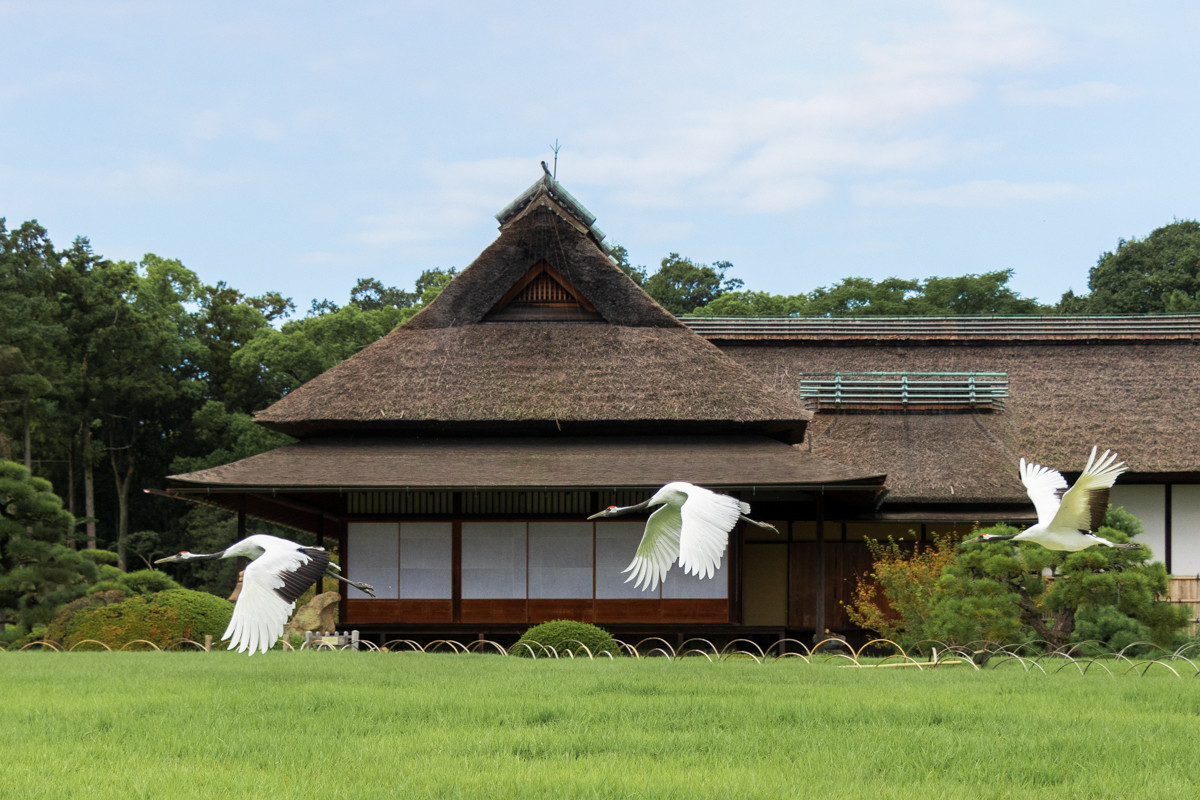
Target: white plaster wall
point(1185, 529)
point(426, 553)
point(373, 556)
point(493, 560)
point(1147, 502)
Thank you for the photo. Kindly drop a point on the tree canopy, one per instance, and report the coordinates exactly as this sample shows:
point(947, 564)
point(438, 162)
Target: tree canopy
point(38, 572)
point(1153, 275)
point(988, 293)
point(1010, 592)
point(114, 374)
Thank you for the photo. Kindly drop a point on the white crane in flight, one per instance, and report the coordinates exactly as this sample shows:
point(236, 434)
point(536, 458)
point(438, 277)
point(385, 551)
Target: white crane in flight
point(279, 572)
point(691, 524)
point(1067, 519)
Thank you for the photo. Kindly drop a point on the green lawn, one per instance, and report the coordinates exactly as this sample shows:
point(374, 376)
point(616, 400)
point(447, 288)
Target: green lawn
point(364, 725)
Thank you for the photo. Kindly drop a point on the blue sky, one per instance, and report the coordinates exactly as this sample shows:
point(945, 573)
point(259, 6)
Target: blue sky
point(296, 147)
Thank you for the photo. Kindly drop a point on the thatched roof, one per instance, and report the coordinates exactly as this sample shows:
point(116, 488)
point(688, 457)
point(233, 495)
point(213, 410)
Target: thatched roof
point(632, 368)
point(547, 186)
point(976, 330)
point(521, 462)
point(1142, 400)
point(542, 234)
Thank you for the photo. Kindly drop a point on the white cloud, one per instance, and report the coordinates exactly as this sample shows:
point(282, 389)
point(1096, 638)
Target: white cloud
point(974, 38)
point(150, 180)
point(457, 196)
point(975, 194)
point(1078, 95)
point(786, 152)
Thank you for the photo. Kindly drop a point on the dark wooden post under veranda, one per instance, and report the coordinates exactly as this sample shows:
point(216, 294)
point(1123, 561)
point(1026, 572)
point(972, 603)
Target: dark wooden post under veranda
point(819, 611)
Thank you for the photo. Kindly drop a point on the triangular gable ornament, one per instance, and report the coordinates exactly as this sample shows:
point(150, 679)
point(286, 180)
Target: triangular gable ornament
point(543, 293)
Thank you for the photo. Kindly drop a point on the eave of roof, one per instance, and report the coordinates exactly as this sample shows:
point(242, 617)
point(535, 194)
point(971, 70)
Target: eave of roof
point(537, 378)
point(340, 464)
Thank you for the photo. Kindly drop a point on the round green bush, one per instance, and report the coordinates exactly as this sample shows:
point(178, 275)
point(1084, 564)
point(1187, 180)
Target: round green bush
point(162, 618)
point(148, 581)
point(565, 635)
point(99, 557)
point(57, 628)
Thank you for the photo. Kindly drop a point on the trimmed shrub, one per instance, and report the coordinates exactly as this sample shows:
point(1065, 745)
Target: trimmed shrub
point(148, 581)
point(162, 618)
point(142, 581)
point(565, 635)
point(99, 557)
point(58, 627)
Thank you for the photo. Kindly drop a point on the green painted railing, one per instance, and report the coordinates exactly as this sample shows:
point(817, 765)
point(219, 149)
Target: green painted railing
point(983, 391)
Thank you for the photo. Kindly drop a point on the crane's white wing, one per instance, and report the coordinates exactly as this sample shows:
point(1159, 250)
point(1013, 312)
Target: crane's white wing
point(1084, 505)
point(270, 585)
point(708, 518)
point(1044, 487)
point(658, 548)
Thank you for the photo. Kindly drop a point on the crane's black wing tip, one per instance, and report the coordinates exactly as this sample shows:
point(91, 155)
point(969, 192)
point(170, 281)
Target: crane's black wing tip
point(296, 582)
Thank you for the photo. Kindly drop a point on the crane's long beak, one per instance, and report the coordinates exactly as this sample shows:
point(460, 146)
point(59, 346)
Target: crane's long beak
point(615, 511)
point(168, 560)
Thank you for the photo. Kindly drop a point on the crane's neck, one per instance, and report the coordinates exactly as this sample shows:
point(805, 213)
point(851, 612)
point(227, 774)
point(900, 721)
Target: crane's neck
point(642, 506)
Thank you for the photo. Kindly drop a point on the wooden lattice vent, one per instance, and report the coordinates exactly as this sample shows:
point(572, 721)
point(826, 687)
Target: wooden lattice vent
point(544, 294)
point(905, 391)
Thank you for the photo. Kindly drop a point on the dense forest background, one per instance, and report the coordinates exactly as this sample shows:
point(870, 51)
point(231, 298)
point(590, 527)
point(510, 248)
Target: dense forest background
point(115, 374)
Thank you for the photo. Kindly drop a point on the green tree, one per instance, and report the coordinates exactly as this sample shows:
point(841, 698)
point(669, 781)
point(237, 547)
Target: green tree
point(225, 321)
point(280, 360)
point(855, 297)
point(226, 436)
point(681, 285)
point(428, 286)
point(976, 294)
point(621, 257)
point(1157, 274)
point(132, 385)
point(38, 572)
point(30, 336)
point(898, 597)
point(87, 302)
point(369, 294)
point(746, 303)
point(997, 591)
point(20, 385)
point(863, 297)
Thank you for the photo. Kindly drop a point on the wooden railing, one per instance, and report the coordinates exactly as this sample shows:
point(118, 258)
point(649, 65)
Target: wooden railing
point(911, 391)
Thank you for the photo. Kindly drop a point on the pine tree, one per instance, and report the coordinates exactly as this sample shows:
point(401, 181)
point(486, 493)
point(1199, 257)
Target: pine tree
point(38, 572)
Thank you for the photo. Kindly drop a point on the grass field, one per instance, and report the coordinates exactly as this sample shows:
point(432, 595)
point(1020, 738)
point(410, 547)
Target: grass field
point(365, 725)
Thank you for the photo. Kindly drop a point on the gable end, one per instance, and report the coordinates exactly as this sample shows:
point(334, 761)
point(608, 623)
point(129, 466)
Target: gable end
point(543, 294)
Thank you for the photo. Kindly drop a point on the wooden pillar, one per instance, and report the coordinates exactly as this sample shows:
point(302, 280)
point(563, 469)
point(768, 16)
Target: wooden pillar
point(321, 543)
point(1167, 526)
point(819, 611)
point(456, 570)
point(734, 585)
